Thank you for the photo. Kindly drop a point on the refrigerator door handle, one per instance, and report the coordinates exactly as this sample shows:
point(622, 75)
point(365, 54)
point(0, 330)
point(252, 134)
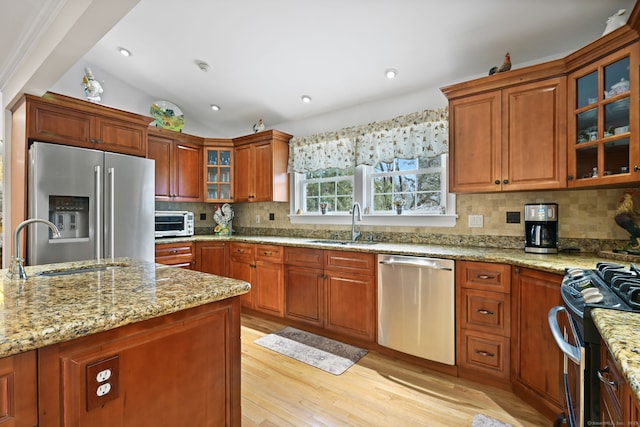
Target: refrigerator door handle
point(112, 212)
point(98, 202)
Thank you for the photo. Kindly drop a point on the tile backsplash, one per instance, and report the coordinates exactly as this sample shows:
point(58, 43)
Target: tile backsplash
point(585, 220)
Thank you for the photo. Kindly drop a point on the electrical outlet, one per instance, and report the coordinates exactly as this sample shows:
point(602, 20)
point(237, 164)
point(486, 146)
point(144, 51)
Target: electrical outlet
point(102, 382)
point(513, 217)
point(272, 217)
point(203, 216)
point(257, 219)
point(475, 221)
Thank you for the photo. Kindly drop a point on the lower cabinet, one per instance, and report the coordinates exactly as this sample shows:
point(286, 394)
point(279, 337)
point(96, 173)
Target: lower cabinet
point(176, 254)
point(334, 290)
point(304, 285)
point(242, 267)
point(18, 392)
point(536, 360)
point(483, 321)
point(613, 390)
point(211, 257)
point(269, 280)
point(350, 289)
point(179, 369)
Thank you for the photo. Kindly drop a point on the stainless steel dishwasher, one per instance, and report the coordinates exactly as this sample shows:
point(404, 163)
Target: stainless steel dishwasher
point(416, 306)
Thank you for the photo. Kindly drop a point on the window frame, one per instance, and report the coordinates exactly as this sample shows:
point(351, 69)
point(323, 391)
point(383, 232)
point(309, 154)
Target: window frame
point(363, 193)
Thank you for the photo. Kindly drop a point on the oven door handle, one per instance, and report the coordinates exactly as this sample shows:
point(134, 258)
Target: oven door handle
point(571, 351)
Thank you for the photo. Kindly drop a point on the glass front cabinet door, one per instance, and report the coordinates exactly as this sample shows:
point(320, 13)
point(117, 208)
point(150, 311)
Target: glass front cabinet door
point(603, 121)
point(218, 174)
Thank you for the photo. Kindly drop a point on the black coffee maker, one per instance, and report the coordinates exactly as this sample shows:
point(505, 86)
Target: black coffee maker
point(541, 228)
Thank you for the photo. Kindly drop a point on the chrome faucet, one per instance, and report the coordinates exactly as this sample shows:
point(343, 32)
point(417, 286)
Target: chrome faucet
point(355, 233)
point(16, 269)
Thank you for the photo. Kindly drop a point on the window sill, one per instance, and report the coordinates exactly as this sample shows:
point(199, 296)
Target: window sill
point(405, 219)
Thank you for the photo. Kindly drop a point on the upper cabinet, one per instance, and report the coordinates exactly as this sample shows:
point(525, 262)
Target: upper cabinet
point(178, 160)
point(60, 119)
point(509, 139)
point(603, 131)
point(218, 170)
point(570, 122)
point(260, 172)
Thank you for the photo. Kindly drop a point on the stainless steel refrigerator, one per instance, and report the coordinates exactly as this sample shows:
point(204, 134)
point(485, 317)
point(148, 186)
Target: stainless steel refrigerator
point(103, 204)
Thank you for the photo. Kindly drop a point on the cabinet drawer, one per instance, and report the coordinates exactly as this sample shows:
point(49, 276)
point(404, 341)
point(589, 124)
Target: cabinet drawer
point(485, 352)
point(243, 252)
point(485, 311)
point(269, 253)
point(304, 257)
point(484, 276)
point(349, 261)
point(178, 255)
point(172, 249)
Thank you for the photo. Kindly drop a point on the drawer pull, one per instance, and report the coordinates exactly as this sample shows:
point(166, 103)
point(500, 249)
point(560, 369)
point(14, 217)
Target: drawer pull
point(485, 353)
point(240, 251)
point(267, 253)
point(174, 251)
point(605, 380)
point(485, 277)
point(483, 311)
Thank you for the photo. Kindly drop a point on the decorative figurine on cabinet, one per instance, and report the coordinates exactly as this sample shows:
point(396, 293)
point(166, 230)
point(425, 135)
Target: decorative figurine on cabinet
point(92, 88)
point(223, 215)
point(506, 66)
point(258, 127)
point(628, 217)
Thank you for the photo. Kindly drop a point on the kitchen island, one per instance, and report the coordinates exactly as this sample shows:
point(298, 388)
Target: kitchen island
point(120, 343)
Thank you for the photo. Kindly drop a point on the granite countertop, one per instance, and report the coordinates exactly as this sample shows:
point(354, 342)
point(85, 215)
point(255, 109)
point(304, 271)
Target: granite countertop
point(40, 311)
point(621, 331)
point(552, 263)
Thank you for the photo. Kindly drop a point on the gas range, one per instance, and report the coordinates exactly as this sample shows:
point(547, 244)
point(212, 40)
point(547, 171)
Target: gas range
point(609, 285)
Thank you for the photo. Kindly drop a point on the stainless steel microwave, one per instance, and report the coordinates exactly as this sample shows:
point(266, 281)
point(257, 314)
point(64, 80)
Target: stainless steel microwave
point(174, 223)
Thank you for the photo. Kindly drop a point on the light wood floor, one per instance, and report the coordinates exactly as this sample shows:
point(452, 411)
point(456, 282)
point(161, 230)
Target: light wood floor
point(377, 391)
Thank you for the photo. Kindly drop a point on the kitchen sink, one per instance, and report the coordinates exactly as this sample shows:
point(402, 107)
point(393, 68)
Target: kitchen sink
point(84, 269)
point(343, 242)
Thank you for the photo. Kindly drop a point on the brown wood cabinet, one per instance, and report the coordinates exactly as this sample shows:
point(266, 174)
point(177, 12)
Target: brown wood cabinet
point(269, 283)
point(511, 139)
point(304, 285)
point(260, 172)
point(603, 129)
point(242, 267)
point(18, 391)
point(176, 254)
point(69, 121)
point(218, 170)
point(350, 294)
point(211, 257)
point(536, 360)
point(179, 369)
point(178, 160)
point(483, 321)
point(333, 290)
point(613, 390)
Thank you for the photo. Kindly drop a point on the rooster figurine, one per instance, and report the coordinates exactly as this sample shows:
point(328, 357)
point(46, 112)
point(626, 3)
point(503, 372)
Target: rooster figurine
point(506, 65)
point(258, 127)
point(628, 217)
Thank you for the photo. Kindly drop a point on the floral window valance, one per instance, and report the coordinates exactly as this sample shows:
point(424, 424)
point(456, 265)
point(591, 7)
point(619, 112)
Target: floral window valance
point(421, 134)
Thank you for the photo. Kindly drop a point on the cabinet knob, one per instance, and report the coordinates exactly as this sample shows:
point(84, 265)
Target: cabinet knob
point(636, 168)
point(569, 177)
point(505, 181)
point(496, 182)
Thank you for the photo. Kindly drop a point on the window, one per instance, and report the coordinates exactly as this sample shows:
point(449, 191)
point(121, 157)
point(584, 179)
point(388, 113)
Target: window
point(401, 192)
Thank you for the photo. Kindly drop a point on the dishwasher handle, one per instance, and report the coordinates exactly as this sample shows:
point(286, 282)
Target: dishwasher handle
point(416, 263)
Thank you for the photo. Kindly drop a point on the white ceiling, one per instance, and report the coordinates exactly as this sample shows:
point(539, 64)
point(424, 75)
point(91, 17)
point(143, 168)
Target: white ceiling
point(264, 55)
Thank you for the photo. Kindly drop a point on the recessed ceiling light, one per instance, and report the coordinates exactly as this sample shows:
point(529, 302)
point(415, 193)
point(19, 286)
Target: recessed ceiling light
point(215, 107)
point(306, 99)
point(124, 52)
point(391, 73)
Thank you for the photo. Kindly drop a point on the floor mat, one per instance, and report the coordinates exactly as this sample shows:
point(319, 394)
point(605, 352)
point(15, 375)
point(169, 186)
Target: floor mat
point(329, 355)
